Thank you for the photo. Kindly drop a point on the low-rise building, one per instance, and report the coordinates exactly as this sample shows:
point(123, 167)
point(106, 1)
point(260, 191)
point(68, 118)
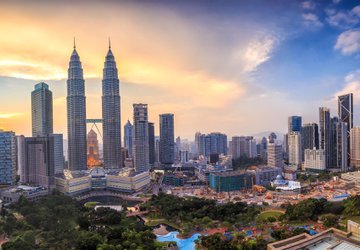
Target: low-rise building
point(264, 174)
point(127, 181)
point(32, 193)
point(231, 181)
point(282, 185)
point(122, 180)
point(352, 176)
point(332, 238)
point(289, 174)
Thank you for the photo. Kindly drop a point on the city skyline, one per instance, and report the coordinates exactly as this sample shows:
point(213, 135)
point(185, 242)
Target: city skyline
point(240, 58)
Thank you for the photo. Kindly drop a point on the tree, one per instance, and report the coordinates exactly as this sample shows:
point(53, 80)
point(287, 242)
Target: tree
point(88, 241)
point(352, 206)
point(271, 219)
point(330, 220)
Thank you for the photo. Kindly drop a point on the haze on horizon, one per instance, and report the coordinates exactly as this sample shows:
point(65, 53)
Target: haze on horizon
point(240, 68)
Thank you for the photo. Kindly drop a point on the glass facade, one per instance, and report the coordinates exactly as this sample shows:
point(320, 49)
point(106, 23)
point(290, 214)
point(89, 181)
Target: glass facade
point(111, 114)
point(76, 114)
point(7, 158)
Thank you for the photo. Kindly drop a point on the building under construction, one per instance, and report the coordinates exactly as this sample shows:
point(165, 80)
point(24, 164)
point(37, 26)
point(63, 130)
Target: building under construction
point(231, 181)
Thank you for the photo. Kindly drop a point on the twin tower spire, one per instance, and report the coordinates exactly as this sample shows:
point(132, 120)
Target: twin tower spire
point(76, 113)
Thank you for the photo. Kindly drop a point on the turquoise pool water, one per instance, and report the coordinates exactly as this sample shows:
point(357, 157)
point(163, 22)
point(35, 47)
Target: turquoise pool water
point(183, 244)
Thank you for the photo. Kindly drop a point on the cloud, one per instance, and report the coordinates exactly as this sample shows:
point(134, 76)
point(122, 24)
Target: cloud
point(348, 42)
point(311, 20)
point(336, 1)
point(31, 70)
point(193, 67)
point(9, 115)
point(257, 52)
point(343, 19)
point(308, 5)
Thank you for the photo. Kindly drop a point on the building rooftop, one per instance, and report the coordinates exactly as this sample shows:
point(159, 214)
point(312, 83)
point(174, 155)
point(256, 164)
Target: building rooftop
point(230, 173)
point(326, 240)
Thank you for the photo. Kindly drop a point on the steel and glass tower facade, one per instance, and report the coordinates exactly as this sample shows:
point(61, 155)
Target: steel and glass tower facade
point(128, 137)
point(325, 133)
point(76, 114)
point(167, 140)
point(151, 143)
point(294, 124)
point(345, 109)
point(41, 110)
point(141, 138)
point(111, 113)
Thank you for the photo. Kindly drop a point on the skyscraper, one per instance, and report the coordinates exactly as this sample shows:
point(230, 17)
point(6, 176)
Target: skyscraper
point(7, 158)
point(310, 136)
point(286, 146)
point(111, 113)
point(167, 140)
point(345, 110)
point(238, 146)
point(58, 153)
point(263, 148)
point(341, 146)
point(294, 124)
point(76, 114)
point(42, 110)
point(20, 154)
point(93, 158)
point(128, 137)
point(295, 149)
point(39, 161)
point(325, 133)
point(272, 137)
point(275, 155)
point(314, 160)
point(334, 121)
point(200, 143)
point(177, 148)
point(141, 138)
point(151, 143)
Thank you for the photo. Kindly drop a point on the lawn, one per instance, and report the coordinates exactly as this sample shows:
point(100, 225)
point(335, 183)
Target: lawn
point(91, 204)
point(270, 213)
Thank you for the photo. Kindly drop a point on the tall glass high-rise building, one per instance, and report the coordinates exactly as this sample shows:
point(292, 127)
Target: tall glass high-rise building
point(294, 124)
point(128, 137)
point(111, 113)
point(345, 109)
point(325, 133)
point(58, 153)
point(167, 139)
point(151, 143)
point(42, 110)
point(310, 136)
point(141, 138)
point(7, 158)
point(76, 114)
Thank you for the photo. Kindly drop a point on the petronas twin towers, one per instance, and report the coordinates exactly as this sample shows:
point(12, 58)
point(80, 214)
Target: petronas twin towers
point(76, 113)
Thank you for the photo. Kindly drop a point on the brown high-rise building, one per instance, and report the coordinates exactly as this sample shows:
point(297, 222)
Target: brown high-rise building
point(93, 159)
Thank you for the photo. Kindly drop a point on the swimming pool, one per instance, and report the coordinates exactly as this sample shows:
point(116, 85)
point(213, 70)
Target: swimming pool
point(183, 244)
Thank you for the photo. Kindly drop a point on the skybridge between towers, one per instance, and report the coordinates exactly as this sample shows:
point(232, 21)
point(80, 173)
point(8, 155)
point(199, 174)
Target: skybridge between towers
point(93, 123)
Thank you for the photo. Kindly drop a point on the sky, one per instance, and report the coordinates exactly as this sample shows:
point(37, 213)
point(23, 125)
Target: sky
point(237, 67)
